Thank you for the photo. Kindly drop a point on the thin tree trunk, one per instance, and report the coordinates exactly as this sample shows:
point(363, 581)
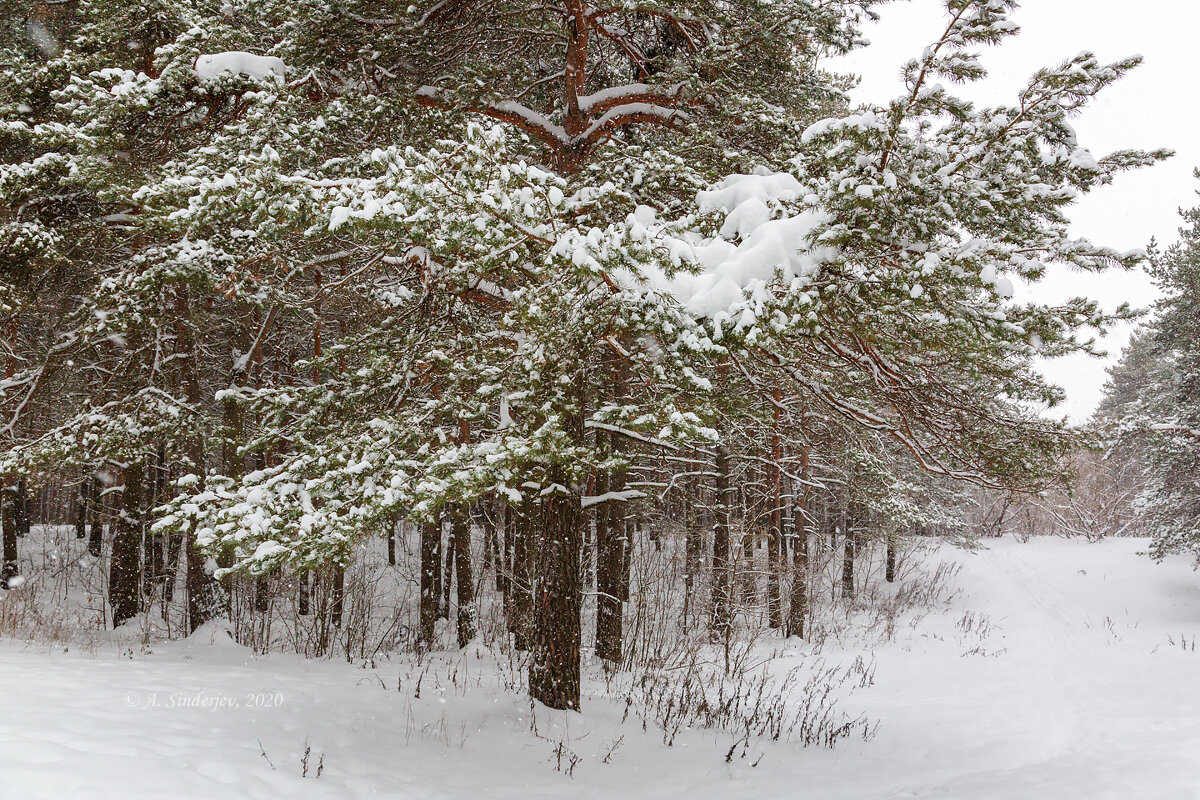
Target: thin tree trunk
point(693, 553)
point(81, 511)
point(174, 548)
point(96, 528)
point(802, 515)
point(21, 503)
point(124, 564)
point(775, 533)
point(391, 542)
point(592, 533)
point(446, 579)
point(627, 533)
point(890, 568)
point(337, 596)
point(304, 602)
point(463, 578)
point(522, 585)
point(504, 559)
point(494, 535)
point(262, 594)
point(427, 612)
point(722, 575)
point(849, 535)
point(8, 532)
point(610, 530)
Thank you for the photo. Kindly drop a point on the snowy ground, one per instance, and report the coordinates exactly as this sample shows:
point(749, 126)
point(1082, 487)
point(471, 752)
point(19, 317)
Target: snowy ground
point(1061, 669)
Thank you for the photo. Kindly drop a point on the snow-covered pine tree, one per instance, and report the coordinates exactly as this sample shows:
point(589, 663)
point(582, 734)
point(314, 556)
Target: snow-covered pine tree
point(1152, 405)
point(915, 221)
point(365, 308)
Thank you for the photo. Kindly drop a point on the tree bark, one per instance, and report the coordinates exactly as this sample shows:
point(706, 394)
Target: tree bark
point(848, 552)
point(8, 532)
point(610, 530)
point(554, 670)
point(775, 532)
point(81, 511)
point(446, 575)
point(427, 611)
point(463, 578)
point(521, 619)
point(96, 528)
point(21, 502)
point(889, 572)
point(124, 563)
point(391, 542)
point(337, 596)
point(204, 599)
point(802, 517)
point(304, 602)
point(722, 575)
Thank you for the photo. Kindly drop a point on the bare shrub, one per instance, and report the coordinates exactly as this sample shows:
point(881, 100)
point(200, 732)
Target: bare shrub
point(800, 704)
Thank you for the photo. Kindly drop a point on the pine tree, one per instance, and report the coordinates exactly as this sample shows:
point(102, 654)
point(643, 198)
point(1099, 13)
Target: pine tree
point(1151, 409)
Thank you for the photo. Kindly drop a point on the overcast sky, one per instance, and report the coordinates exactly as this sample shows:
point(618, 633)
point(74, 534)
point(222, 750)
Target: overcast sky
point(1155, 106)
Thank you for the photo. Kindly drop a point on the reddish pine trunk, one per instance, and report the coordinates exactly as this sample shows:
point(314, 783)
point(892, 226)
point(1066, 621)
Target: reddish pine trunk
point(554, 671)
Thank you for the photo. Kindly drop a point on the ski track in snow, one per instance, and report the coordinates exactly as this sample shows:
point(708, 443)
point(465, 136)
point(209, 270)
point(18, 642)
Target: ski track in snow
point(1075, 692)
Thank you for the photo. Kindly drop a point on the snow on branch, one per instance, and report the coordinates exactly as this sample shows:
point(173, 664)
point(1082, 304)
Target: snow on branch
point(610, 497)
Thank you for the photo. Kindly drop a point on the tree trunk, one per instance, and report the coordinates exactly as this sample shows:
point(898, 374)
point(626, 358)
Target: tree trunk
point(304, 602)
point(889, 572)
point(747, 569)
point(431, 565)
point(627, 532)
point(554, 670)
point(204, 599)
point(494, 530)
point(722, 575)
point(521, 614)
point(81, 511)
point(391, 542)
point(96, 528)
point(461, 521)
point(337, 596)
point(124, 563)
point(610, 530)
point(775, 532)
point(446, 577)
point(798, 613)
point(848, 535)
point(592, 534)
point(174, 548)
point(504, 561)
point(8, 532)
point(21, 501)
point(802, 518)
point(262, 594)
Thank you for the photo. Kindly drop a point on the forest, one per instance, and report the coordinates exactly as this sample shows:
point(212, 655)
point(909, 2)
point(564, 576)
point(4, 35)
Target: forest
point(613, 344)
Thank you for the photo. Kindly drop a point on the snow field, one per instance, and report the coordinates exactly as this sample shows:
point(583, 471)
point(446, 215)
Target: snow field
point(1059, 669)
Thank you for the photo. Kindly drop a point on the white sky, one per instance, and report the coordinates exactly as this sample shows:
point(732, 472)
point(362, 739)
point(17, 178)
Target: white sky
point(1155, 106)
